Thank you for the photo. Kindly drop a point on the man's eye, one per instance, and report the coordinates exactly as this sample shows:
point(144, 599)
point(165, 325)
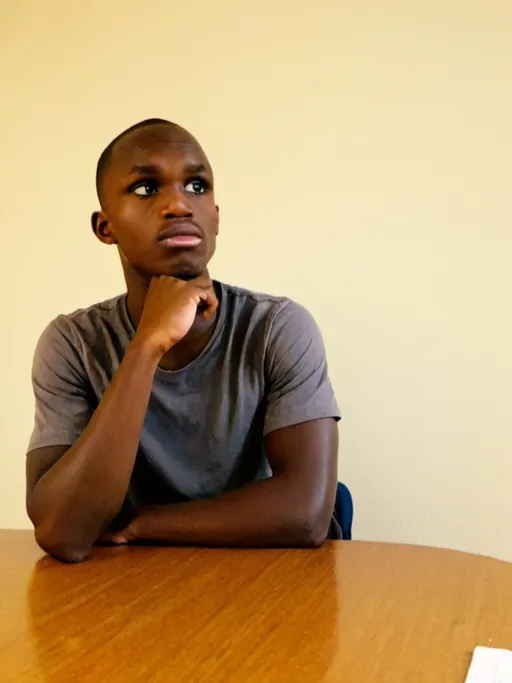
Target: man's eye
point(144, 189)
point(196, 187)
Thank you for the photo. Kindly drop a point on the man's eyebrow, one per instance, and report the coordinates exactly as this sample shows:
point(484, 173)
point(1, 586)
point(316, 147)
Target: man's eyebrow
point(192, 169)
point(150, 169)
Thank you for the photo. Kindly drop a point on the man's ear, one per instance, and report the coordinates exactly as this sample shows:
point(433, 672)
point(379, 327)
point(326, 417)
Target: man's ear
point(218, 214)
point(101, 228)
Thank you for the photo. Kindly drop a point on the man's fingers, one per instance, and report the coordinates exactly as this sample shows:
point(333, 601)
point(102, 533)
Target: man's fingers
point(111, 538)
point(210, 303)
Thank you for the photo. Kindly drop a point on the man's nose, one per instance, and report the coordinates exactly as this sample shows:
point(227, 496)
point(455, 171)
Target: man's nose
point(174, 205)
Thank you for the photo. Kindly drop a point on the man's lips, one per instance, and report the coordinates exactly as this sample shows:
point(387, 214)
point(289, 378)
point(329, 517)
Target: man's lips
point(181, 241)
point(183, 235)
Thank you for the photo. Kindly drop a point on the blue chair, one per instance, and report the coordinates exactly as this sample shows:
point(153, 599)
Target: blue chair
point(344, 510)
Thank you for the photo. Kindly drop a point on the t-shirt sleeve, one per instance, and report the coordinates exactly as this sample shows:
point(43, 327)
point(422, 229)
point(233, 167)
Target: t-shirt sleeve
point(62, 392)
point(298, 385)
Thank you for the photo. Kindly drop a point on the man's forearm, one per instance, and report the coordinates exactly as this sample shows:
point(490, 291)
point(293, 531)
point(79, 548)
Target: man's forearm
point(266, 513)
point(73, 502)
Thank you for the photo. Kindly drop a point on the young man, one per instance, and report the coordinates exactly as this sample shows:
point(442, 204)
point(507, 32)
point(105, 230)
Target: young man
point(185, 411)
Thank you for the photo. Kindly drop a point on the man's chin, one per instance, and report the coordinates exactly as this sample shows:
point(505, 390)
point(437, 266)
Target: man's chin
point(186, 271)
point(187, 276)
point(185, 268)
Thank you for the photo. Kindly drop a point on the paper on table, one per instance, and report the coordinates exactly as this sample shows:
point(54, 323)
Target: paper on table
point(490, 665)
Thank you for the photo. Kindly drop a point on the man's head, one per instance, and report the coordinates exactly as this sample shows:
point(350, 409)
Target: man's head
point(155, 187)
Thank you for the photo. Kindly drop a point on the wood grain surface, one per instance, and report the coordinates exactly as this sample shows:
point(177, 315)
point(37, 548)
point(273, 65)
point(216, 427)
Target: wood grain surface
point(351, 612)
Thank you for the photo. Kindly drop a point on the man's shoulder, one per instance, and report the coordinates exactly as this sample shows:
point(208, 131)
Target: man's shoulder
point(99, 319)
point(268, 307)
point(107, 309)
point(251, 296)
point(258, 303)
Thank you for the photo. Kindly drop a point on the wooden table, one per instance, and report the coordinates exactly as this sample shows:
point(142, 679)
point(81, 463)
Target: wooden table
point(348, 612)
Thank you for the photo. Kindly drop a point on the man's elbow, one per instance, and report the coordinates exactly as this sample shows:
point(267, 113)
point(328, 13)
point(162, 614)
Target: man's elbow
point(309, 531)
point(53, 542)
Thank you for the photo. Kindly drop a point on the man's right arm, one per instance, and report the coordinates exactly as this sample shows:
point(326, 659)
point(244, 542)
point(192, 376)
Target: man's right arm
point(74, 493)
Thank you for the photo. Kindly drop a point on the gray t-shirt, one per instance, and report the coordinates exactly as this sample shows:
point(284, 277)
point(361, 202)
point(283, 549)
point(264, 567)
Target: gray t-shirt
point(264, 368)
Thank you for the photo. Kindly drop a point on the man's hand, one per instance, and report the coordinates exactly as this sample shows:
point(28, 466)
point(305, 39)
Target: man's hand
point(170, 310)
point(113, 538)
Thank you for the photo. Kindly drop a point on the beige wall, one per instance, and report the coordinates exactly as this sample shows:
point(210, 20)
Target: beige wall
point(363, 158)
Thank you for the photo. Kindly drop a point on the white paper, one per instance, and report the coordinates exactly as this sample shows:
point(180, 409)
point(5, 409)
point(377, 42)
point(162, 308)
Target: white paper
point(490, 665)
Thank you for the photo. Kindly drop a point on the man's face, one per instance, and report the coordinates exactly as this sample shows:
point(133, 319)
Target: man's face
point(158, 203)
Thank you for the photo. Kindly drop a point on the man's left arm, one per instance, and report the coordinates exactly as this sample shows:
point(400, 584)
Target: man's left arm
point(294, 507)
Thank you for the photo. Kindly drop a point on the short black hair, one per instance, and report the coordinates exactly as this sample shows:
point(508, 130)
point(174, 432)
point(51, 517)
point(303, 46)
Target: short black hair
point(106, 155)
